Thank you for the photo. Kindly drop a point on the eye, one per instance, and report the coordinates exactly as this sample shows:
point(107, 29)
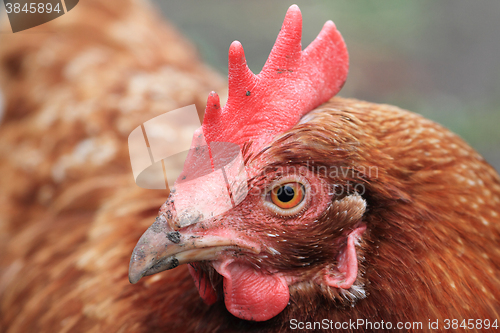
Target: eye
point(287, 198)
point(288, 195)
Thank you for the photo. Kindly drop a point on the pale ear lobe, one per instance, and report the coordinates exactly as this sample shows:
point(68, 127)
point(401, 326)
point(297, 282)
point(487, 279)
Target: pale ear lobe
point(346, 272)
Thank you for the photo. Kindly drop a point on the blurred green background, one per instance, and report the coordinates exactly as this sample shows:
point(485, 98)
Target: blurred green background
point(437, 58)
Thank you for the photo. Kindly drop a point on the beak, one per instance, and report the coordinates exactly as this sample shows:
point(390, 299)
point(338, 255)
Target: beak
point(162, 248)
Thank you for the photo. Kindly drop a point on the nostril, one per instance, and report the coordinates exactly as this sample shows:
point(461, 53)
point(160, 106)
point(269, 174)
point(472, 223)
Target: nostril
point(172, 220)
point(168, 212)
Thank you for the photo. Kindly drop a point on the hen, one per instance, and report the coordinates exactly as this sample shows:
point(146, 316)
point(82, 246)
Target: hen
point(338, 210)
point(353, 210)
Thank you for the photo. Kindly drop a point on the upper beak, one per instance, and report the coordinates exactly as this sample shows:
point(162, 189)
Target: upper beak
point(161, 248)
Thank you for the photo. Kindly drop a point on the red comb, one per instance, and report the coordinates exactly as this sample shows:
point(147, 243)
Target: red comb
point(292, 83)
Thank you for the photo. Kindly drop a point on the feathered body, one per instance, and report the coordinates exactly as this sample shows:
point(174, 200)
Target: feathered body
point(71, 213)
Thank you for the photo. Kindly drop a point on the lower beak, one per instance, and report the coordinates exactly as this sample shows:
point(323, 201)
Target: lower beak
point(160, 248)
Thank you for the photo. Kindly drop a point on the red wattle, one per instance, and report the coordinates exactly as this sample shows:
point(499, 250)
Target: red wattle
point(252, 295)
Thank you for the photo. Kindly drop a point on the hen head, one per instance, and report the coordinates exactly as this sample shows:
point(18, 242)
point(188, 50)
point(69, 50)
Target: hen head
point(270, 210)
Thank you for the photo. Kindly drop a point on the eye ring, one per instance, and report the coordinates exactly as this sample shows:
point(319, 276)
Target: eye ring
point(288, 196)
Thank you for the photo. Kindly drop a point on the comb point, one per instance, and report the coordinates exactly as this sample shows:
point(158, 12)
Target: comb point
point(293, 14)
point(330, 42)
point(236, 54)
point(287, 49)
point(240, 76)
point(212, 110)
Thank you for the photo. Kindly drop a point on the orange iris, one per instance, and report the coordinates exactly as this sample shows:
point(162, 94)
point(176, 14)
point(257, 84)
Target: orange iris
point(288, 195)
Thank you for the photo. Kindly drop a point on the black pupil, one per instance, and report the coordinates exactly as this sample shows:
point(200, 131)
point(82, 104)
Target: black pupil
point(285, 193)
